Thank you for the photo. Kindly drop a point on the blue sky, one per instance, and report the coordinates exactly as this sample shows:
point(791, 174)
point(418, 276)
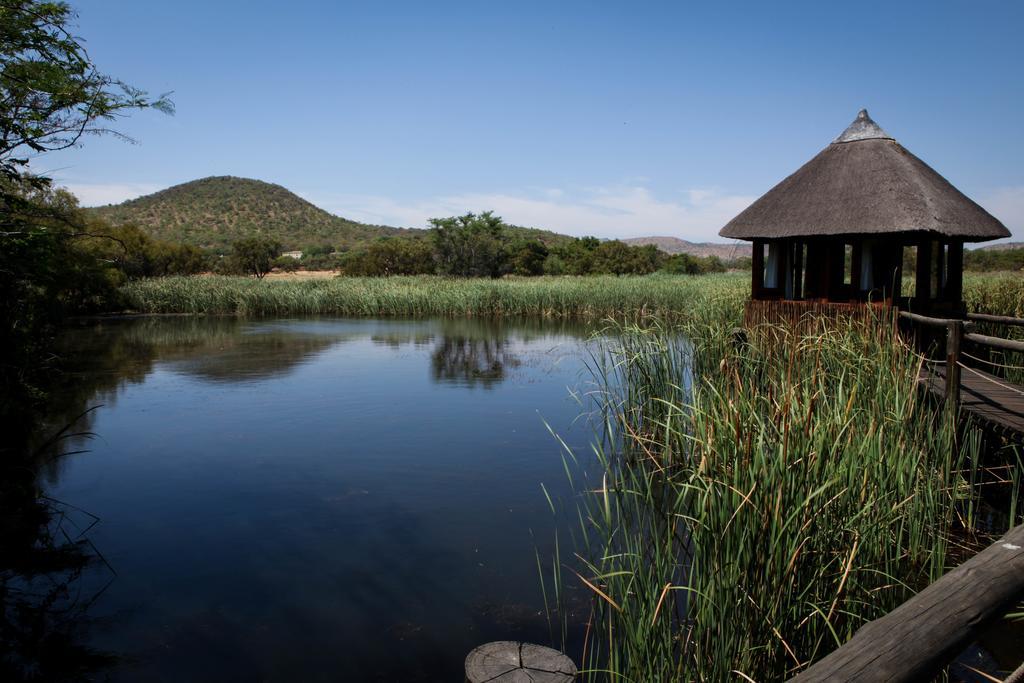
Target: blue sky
point(613, 119)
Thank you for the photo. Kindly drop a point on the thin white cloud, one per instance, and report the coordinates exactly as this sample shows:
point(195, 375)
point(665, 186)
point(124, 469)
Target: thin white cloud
point(609, 212)
point(98, 194)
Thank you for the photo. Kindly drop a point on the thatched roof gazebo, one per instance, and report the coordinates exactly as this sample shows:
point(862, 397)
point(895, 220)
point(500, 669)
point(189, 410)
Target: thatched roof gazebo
point(832, 235)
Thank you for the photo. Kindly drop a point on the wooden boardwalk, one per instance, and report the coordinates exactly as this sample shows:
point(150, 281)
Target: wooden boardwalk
point(986, 396)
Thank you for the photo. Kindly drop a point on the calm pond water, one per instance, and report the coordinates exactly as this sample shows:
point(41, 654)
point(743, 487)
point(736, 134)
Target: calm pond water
point(323, 499)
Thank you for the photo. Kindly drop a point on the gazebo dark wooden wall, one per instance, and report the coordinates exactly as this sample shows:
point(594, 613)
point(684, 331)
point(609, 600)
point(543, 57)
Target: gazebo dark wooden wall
point(830, 239)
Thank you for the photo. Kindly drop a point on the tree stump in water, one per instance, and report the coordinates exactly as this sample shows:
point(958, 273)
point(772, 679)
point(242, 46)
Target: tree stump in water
point(509, 661)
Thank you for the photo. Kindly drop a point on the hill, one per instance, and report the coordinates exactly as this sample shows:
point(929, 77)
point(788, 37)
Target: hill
point(1002, 246)
point(674, 245)
point(214, 212)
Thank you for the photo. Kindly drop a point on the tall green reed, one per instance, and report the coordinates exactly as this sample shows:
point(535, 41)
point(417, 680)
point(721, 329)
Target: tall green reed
point(754, 503)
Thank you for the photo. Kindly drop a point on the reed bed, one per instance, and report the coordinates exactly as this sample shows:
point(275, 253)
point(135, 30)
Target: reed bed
point(997, 294)
point(590, 297)
point(753, 503)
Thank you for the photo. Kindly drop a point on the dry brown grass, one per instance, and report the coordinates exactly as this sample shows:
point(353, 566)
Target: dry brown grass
point(302, 275)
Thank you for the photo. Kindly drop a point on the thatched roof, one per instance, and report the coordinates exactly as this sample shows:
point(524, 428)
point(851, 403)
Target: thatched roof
point(864, 183)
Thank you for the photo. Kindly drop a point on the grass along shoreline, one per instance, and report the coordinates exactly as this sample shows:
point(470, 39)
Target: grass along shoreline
point(584, 297)
point(587, 297)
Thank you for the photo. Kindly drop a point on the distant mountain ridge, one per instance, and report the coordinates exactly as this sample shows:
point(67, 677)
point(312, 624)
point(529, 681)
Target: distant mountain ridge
point(214, 212)
point(674, 245)
point(1003, 246)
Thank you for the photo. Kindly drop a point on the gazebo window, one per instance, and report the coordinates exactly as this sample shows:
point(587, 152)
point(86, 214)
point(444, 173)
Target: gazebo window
point(773, 265)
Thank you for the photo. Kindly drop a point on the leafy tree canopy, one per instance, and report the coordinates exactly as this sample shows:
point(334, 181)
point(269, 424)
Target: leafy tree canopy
point(255, 255)
point(471, 245)
point(392, 256)
point(51, 94)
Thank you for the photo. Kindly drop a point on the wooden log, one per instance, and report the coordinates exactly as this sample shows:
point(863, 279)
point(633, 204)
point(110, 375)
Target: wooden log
point(999, 319)
point(995, 342)
point(509, 661)
point(920, 637)
point(923, 275)
point(926, 320)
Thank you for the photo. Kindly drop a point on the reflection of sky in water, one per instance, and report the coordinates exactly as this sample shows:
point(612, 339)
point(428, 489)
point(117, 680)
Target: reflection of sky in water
point(336, 500)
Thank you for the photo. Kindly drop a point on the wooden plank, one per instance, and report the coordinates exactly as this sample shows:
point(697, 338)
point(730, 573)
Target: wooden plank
point(984, 395)
point(808, 314)
point(918, 639)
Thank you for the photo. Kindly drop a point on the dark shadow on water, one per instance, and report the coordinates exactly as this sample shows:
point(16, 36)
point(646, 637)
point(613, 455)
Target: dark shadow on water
point(49, 570)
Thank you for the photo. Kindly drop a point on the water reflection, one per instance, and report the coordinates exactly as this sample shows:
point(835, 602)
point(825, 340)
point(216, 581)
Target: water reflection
point(472, 352)
point(472, 362)
point(270, 489)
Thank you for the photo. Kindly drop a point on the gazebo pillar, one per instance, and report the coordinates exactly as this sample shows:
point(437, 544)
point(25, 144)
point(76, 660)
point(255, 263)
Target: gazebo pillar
point(923, 279)
point(757, 270)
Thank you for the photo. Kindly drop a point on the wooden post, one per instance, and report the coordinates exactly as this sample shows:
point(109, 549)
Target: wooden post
point(786, 268)
point(757, 270)
point(938, 270)
point(798, 270)
point(924, 271)
point(954, 336)
point(512, 661)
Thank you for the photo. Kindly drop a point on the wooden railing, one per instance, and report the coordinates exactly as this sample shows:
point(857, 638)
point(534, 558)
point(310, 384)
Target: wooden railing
point(919, 638)
point(957, 332)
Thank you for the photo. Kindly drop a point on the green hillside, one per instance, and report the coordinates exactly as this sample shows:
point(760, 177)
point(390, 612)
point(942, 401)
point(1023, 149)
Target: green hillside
point(214, 212)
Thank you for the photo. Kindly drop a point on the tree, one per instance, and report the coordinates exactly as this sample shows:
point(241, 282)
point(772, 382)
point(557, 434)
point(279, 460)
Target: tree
point(286, 264)
point(687, 264)
point(470, 245)
point(133, 254)
point(576, 257)
point(620, 258)
point(255, 255)
point(527, 257)
point(392, 256)
point(51, 94)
